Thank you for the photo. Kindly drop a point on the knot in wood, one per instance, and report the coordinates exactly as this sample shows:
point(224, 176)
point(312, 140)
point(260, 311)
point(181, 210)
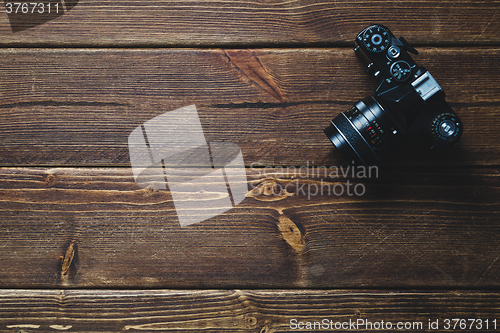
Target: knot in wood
point(269, 190)
point(50, 180)
point(291, 233)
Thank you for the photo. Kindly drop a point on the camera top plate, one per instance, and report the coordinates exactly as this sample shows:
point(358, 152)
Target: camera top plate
point(386, 56)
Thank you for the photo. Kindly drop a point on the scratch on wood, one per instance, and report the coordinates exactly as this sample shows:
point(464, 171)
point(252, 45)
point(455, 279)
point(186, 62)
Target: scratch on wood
point(248, 64)
point(486, 270)
point(487, 25)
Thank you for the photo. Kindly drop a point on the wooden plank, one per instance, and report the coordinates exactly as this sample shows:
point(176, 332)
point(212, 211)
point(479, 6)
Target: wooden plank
point(245, 310)
point(76, 107)
point(160, 23)
point(425, 228)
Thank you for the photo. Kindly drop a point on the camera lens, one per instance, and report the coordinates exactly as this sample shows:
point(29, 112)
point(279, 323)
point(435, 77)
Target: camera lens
point(363, 132)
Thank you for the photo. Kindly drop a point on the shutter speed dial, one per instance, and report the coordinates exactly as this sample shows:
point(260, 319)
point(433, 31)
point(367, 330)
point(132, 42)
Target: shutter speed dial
point(376, 39)
point(400, 71)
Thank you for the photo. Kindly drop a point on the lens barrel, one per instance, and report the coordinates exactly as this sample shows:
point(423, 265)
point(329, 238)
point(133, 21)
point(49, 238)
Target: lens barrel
point(363, 132)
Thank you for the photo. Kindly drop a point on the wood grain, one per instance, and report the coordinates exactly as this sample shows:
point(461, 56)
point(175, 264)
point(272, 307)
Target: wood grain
point(76, 107)
point(267, 76)
point(425, 228)
point(237, 310)
point(264, 23)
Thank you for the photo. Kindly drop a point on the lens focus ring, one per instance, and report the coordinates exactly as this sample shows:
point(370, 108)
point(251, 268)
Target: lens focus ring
point(350, 142)
point(363, 132)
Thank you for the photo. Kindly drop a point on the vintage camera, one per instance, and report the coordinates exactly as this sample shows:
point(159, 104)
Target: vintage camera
point(408, 103)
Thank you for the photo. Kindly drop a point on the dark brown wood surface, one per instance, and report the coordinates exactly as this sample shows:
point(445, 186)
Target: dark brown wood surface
point(264, 23)
point(84, 248)
point(244, 310)
point(77, 106)
point(426, 228)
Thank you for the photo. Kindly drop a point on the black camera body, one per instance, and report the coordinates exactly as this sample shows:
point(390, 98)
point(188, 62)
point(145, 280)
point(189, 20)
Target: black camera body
point(408, 102)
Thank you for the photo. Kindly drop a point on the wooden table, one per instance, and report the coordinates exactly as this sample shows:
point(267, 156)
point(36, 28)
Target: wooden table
point(83, 248)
